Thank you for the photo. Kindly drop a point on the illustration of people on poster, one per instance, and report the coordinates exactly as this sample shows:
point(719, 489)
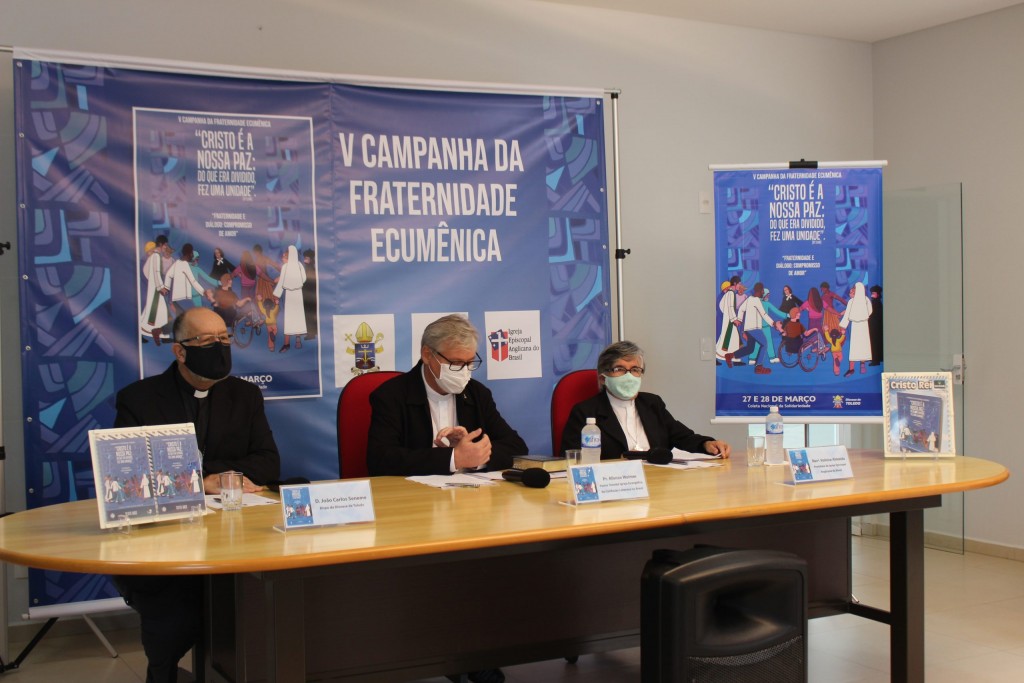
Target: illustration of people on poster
point(226, 219)
point(798, 292)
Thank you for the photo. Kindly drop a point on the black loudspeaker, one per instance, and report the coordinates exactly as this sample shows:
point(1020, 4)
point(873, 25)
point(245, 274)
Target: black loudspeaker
point(723, 616)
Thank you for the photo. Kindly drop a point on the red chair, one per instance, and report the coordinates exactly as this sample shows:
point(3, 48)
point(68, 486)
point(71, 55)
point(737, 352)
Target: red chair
point(354, 422)
point(577, 386)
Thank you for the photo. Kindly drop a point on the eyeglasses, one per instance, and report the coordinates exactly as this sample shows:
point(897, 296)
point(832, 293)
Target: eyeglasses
point(458, 365)
point(619, 371)
point(208, 340)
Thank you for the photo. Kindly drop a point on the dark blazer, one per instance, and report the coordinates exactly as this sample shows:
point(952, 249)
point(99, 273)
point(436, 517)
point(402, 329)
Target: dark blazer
point(238, 437)
point(401, 439)
point(661, 428)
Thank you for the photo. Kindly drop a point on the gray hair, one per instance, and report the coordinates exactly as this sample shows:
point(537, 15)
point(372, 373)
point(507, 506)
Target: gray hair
point(616, 352)
point(452, 329)
point(178, 329)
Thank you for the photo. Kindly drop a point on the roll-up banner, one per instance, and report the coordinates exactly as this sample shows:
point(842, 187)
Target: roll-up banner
point(327, 222)
point(798, 267)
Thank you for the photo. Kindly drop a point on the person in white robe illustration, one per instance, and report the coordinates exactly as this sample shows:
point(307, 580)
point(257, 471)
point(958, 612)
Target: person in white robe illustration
point(289, 291)
point(154, 305)
point(855, 322)
point(729, 334)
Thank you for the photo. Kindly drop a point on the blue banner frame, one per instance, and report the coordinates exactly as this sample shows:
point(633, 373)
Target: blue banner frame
point(109, 160)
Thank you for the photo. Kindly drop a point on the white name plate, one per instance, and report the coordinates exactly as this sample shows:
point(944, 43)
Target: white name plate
point(822, 463)
point(613, 480)
point(306, 506)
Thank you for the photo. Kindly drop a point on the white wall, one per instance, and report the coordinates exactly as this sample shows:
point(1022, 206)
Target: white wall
point(692, 94)
point(949, 107)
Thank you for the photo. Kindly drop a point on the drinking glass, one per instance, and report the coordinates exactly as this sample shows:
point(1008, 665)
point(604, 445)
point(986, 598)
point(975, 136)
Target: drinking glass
point(231, 490)
point(755, 451)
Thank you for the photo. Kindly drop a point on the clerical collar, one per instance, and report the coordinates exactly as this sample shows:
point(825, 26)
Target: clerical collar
point(615, 400)
point(186, 389)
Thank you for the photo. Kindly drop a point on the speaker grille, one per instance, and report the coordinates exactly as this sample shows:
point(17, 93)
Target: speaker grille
point(780, 663)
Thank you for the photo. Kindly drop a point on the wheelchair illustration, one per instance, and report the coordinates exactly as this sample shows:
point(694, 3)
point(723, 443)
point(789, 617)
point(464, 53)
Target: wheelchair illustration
point(811, 350)
point(246, 325)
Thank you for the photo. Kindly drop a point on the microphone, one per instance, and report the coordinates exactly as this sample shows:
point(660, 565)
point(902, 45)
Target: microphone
point(659, 455)
point(531, 477)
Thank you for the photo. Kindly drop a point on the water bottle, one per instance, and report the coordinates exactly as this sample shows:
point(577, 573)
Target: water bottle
point(590, 442)
point(773, 437)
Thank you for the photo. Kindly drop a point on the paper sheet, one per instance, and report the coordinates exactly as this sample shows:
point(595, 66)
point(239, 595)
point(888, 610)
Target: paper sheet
point(679, 455)
point(248, 500)
point(689, 464)
point(454, 481)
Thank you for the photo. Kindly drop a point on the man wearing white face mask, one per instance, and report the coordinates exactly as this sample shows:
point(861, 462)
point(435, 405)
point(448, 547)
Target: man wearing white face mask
point(436, 419)
point(631, 420)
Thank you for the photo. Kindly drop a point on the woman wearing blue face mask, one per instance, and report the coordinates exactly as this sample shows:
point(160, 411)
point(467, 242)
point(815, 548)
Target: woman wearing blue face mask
point(629, 419)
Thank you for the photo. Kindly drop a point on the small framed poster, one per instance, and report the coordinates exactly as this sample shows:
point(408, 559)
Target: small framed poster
point(146, 474)
point(918, 409)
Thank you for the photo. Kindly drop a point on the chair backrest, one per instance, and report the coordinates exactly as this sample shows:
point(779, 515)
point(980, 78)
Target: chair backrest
point(577, 386)
point(354, 422)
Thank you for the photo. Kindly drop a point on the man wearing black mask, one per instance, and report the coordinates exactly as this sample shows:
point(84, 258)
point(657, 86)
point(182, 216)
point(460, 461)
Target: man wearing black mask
point(233, 434)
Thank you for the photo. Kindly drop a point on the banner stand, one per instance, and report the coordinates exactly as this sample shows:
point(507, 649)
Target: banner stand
point(798, 265)
point(54, 612)
point(193, 175)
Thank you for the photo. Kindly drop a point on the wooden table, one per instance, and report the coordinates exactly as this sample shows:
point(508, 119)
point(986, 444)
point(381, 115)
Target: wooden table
point(461, 579)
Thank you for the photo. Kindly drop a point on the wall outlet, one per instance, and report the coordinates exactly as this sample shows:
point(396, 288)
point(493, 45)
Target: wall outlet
point(704, 202)
point(707, 348)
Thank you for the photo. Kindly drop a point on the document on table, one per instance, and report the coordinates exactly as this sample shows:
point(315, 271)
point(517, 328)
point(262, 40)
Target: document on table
point(459, 480)
point(684, 460)
point(248, 500)
point(679, 455)
point(690, 464)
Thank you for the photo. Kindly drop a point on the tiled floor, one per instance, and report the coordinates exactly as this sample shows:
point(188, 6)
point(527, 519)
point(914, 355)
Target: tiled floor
point(974, 633)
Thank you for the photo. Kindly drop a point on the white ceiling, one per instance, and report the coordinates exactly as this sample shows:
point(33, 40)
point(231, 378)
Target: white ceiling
point(862, 20)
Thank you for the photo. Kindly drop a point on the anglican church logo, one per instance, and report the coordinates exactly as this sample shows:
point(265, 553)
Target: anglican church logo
point(499, 345)
point(514, 339)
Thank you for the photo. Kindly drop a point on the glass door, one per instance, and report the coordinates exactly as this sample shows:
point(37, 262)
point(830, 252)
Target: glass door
point(922, 295)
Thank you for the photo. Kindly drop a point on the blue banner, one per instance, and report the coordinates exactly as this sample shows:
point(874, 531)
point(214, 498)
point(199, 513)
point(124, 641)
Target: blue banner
point(798, 292)
point(327, 223)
